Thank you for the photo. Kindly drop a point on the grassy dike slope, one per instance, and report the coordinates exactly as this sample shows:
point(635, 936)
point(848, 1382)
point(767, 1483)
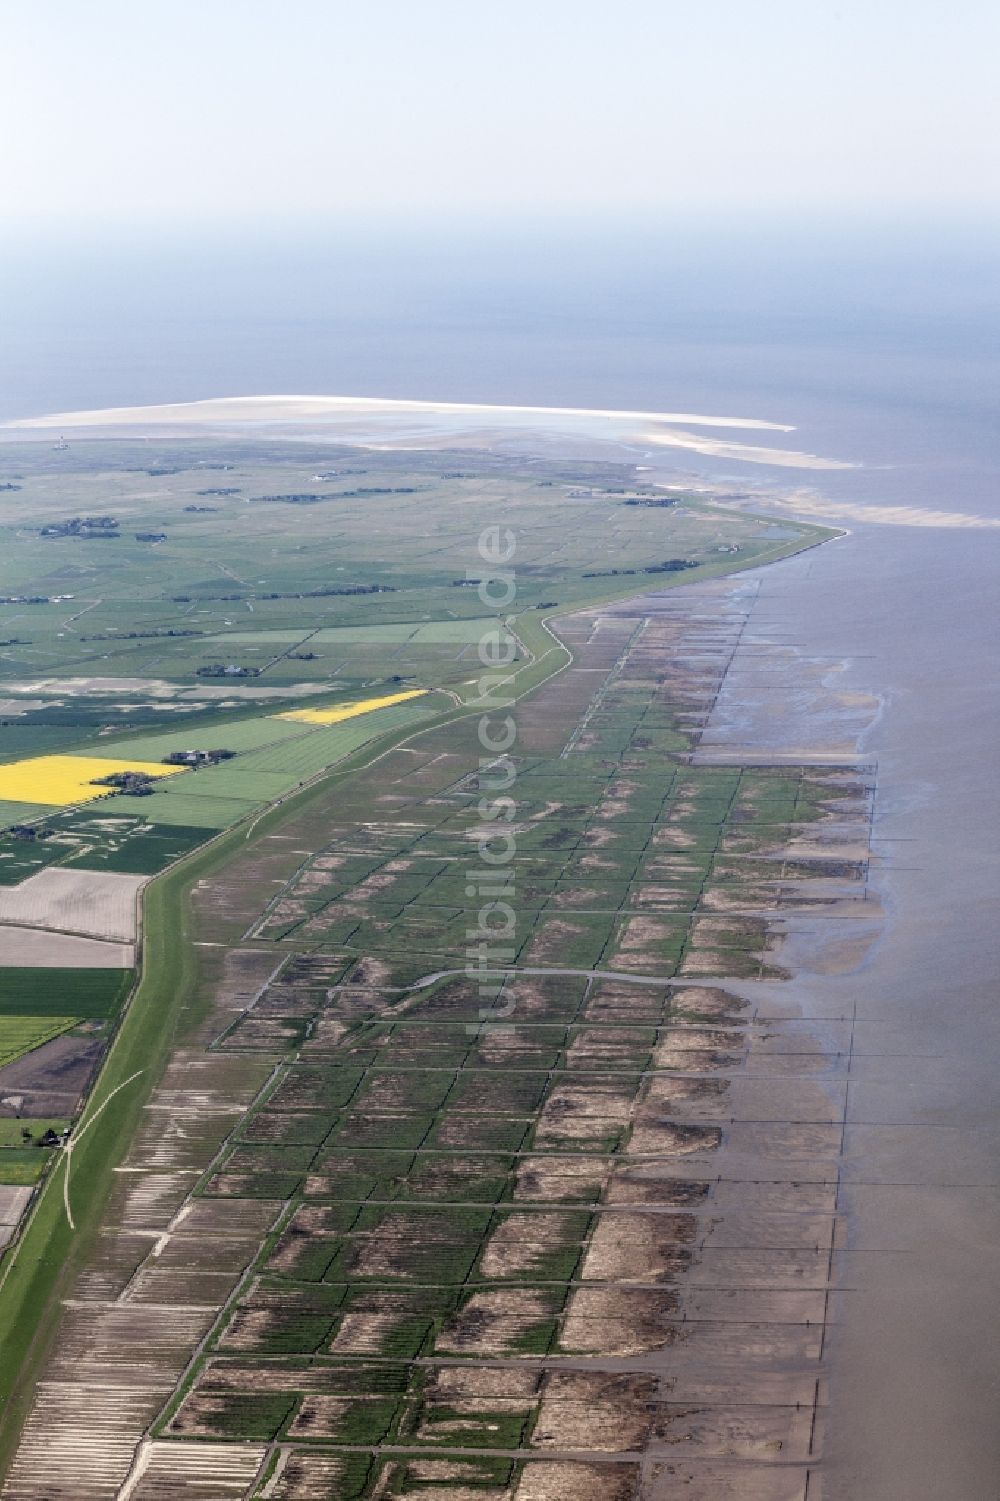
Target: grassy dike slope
point(40, 1268)
point(49, 1253)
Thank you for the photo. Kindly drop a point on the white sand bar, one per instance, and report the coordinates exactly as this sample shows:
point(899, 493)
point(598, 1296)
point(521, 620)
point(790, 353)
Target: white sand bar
point(379, 422)
point(305, 408)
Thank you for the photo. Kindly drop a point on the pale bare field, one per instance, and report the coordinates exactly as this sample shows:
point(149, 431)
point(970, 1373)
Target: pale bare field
point(13, 1202)
point(94, 904)
point(36, 948)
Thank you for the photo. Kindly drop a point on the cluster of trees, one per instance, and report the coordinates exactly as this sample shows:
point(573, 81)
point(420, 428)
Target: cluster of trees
point(82, 526)
point(328, 593)
point(138, 635)
point(197, 757)
point(670, 565)
point(222, 670)
point(135, 783)
point(48, 1138)
point(311, 498)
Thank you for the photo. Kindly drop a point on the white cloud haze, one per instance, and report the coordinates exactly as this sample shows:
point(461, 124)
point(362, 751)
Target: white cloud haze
point(250, 109)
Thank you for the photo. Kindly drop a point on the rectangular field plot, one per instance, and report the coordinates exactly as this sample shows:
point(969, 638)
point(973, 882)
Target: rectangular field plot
point(339, 712)
point(58, 781)
point(312, 753)
point(94, 904)
point(240, 779)
point(236, 735)
point(186, 812)
point(131, 846)
point(21, 812)
point(22, 1166)
point(21, 1034)
point(267, 637)
point(21, 739)
point(89, 994)
point(216, 797)
point(20, 860)
point(460, 632)
point(23, 1157)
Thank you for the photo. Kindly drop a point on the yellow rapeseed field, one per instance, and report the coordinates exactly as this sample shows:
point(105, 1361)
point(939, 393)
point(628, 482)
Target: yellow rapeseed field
point(59, 781)
point(346, 711)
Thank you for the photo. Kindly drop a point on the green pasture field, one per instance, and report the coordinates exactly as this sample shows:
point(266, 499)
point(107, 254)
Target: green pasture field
point(243, 583)
point(13, 813)
point(312, 753)
point(241, 735)
point(11, 1131)
point(263, 577)
point(444, 632)
point(18, 740)
point(277, 755)
point(190, 812)
point(238, 778)
point(23, 1160)
point(93, 839)
point(22, 1167)
point(142, 849)
point(47, 993)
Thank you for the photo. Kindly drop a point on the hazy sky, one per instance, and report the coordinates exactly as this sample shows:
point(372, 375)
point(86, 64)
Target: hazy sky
point(250, 110)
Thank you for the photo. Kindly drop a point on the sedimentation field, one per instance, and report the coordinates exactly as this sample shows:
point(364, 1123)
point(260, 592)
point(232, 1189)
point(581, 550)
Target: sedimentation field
point(349, 1212)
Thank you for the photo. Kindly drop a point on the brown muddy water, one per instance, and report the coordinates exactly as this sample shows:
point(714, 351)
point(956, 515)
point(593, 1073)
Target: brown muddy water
point(884, 645)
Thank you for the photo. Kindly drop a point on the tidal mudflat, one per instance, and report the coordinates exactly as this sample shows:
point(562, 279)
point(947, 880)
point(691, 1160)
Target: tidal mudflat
point(383, 1248)
point(707, 1204)
point(898, 620)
